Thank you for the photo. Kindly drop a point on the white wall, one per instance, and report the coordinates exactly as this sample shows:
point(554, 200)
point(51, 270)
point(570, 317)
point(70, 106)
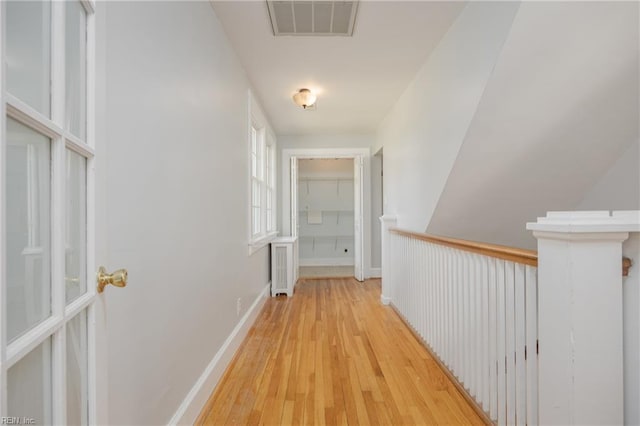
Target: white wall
point(176, 102)
point(560, 108)
point(619, 188)
point(424, 130)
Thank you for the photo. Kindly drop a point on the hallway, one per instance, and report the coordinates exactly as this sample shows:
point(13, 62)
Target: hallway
point(160, 176)
point(332, 354)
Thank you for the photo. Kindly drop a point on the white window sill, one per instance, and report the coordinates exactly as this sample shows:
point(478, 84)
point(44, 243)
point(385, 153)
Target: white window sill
point(259, 243)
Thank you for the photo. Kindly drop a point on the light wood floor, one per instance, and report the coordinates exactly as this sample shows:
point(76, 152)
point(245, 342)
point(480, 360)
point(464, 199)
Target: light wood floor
point(332, 354)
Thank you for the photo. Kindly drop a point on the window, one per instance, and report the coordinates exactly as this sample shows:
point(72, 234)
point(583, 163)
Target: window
point(257, 181)
point(262, 150)
point(269, 178)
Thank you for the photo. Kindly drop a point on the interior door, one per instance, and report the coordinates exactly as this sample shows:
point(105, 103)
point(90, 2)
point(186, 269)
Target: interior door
point(357, 217)
point(48, 361)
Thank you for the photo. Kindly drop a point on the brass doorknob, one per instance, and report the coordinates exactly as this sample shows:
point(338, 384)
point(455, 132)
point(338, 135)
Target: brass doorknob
point(117, 278)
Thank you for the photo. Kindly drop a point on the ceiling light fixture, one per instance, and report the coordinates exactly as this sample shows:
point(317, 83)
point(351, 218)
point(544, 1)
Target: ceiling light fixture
point(304, 98)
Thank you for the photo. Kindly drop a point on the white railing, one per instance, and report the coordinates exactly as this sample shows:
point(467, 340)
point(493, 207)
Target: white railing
point(531, 338)
point(477, 313)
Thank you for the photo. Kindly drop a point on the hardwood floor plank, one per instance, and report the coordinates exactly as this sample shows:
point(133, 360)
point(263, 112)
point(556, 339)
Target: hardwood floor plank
point(332, 354)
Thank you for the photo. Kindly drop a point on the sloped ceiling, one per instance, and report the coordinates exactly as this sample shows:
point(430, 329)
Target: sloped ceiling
point(357, 78)
point(560, 108)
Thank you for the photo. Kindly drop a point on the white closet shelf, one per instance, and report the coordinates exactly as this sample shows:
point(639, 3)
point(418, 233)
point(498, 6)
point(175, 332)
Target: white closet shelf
point(321, 179)
point(326, 237)
point(334, 238)
point(325, 210)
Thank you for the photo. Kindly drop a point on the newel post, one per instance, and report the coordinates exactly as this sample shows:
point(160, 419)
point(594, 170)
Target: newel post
point(580, 330)
point(387, 222)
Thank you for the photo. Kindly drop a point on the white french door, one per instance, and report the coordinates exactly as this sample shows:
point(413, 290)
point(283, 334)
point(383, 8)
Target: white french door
point(47, 355)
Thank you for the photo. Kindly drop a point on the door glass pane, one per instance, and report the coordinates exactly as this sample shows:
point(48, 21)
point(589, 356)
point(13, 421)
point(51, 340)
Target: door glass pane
point(29, 386)
point(76, 68)
point(77, 385)
point(28, 228)
point(28, 57)
point(76, 238)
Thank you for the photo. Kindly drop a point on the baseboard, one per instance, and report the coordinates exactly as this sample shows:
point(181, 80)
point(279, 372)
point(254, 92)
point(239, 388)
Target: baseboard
point(375, 272)
point(326, 262)
point(384, 299)
point(192, 405)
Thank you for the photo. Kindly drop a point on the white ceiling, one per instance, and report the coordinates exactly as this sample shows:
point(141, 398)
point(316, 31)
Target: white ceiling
point(357, 79)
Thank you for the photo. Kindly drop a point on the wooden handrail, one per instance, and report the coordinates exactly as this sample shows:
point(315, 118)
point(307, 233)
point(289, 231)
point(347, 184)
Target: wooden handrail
point(527, 257)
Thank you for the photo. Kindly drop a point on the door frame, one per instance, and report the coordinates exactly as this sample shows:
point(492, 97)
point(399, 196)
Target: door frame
point(362, 154)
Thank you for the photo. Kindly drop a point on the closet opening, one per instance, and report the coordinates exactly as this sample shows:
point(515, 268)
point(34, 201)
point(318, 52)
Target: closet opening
point(326, 238)
point(323, 193)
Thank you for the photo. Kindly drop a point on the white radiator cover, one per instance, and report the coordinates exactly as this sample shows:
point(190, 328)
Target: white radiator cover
point(284, 265)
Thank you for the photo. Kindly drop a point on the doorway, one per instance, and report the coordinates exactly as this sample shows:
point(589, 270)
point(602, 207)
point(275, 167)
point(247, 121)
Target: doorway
point(325, 217)
point(323, 193)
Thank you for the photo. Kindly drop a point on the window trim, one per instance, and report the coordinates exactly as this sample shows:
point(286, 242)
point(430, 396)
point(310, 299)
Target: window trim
point(266, 141)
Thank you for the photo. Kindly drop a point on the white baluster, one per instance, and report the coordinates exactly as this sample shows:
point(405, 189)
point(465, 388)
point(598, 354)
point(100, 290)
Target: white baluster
point(446, 310)
point(465, 314)
point(453, 270)
point(453, 281)
point(432, 315)
point(485, 365)
point(510, 342)
point(419, 294)
point(450, 345)
point(478, 325)
point(398, 272)
point(473, 326)
point(501, 335)
point(439, 300)
point(461, 310)
point(411, 270)
point(457, 297)
point(416, 283)
point(436, 320)
point(407, 298)
point(493, 359)
point(405, 276)
point(425, 290)
point(450, 335)
point(531, 298)
point(521, 372)
point(420, 267)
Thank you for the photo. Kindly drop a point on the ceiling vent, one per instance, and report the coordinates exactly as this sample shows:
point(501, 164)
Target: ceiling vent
point(312, 18)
